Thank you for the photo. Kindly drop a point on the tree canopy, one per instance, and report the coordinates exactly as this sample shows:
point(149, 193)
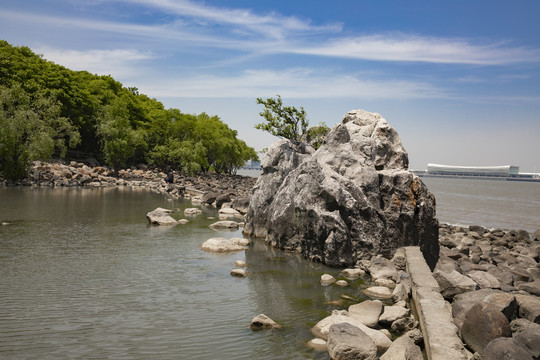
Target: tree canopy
point(47, 109)
point(283, 121)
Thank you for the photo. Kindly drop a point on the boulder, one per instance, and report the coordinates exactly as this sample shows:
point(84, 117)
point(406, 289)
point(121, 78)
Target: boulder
point(484, 280)
point(160, 216)
point(368, 312)
point(209, 198)
point(352, 274)
point(239, 273)
point(223, 245)
point(505, 348)
point(400, 293)
point(532, 288)
point(380, 292)
point(403, 348)
point(222, 199)
point(351, 199)
point(262, 321)
point(453, 283)
point(518, 325)
point(322, 328)
point(229, 214)
point(327, 279)
point(317, 344)
point(347, 342)
point(530, 338)
point(225, 224)
point(404, 324)
point(382, 268)
point(483, 323)
point(192, 212)
point(529, 307)
point(241, 204)
point(393, 313)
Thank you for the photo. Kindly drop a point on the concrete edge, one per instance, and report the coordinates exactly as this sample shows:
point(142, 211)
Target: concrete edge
point(441, 338)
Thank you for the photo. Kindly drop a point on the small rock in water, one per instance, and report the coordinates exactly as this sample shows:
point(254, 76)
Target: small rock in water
point(239, 273)
point(240, 263)
point(317, 344)
point(183, 221)
point(342, 283)
point(327, 279)
point(381, 292)
point(352, 274)
point(5, 223)
point(262, 321)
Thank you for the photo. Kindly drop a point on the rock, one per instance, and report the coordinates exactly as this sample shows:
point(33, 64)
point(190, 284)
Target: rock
point(393, 313)
point(241, 204)
point(367, 312)
point(382, 268)
point(342, 283)
point(183, 221)
point(453, 283)
point(239, 273)
point(518, 325)
point(403, 348)
point(160, 217)
point(484, 280)
point(209, 198)
point(352, 199)
point(192, 212)
point(530, 338)
point(262, 321)
point(404, 324)
point(240, 263)
point(222, 199)
point(529, 307)
point(400, 293)
point(532, 288)
point(352, 274)
point(327, 279)
point(229, 214)
point(225, 224)
point(322, 328)
point(483, 323)
point(505, 348)
point(223, 245)
point(380, 292)
point(347, 342)
point(317, 344)
point(385, 282)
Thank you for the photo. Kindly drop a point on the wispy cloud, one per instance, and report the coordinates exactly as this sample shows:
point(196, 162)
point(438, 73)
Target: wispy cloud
point(291, 83)
point(415, 48)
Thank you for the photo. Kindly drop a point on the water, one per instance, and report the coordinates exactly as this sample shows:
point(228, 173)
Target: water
point(83, 276)
point(508, 205)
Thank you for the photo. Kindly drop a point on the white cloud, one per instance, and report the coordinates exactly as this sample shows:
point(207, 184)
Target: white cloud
point(120, 62)
point(415, 48)
point(291, 83)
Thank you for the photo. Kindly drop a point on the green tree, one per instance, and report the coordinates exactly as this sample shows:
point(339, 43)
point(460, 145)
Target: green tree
point(119, 141)
point(31, 128)
point(282, 121)
point(315, 135)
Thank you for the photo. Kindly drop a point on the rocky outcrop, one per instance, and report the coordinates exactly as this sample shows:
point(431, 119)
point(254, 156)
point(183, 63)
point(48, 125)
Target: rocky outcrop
point(349, 200)
point(160, 216)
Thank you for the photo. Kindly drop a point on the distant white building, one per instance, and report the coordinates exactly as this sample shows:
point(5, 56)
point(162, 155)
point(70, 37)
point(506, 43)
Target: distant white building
point(495, 171)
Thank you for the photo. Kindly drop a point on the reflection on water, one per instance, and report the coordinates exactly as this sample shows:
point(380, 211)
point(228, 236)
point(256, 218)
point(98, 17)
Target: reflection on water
point(85, 276)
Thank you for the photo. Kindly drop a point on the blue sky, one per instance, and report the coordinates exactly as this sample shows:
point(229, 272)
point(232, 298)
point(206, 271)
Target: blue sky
point(459, 80)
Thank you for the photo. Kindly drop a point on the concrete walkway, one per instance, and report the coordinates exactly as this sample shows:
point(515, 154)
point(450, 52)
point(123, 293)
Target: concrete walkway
point(435, 314)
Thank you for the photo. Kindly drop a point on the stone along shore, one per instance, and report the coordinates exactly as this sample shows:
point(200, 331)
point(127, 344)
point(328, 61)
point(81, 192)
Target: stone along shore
point(488, 281)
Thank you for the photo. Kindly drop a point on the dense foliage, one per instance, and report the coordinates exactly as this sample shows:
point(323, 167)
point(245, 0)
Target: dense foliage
point(46, 108)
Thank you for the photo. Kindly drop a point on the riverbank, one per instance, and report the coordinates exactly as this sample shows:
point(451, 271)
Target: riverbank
point(76, 174)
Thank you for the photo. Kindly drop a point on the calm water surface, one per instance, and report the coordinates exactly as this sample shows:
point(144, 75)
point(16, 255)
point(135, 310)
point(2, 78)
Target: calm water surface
point(84, 277)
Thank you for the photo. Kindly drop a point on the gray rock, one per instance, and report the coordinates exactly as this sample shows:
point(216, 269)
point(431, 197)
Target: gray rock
point(505, 348)
point(160, 216)
point(532, 288)
point(352, 199)
point(393, 313)
point(400, 293)
point(368, 312)
point(403, 348)
point(483, 323)
point(347, 342)
point(382, 268)
point(262, 321)
point(327, 279)
point(192, 212)
point(530, 338)
point(225, 224)
point(239, 273)
point(222, 199)
point(352, 274)
point(484, 280)
point(224, 245)
point(518, 325)
point(379, 292)
point(405, 324)
point(529, 307)
point(453, 283)
point(209, 198)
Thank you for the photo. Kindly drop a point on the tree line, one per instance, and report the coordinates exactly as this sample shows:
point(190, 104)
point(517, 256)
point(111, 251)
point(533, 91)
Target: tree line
point(47, 109)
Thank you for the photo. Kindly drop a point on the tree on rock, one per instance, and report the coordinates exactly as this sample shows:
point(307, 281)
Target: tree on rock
point(283, 121)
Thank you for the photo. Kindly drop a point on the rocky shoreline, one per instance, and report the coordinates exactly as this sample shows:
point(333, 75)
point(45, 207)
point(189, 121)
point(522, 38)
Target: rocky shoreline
point(78, 174)
point(489, 277)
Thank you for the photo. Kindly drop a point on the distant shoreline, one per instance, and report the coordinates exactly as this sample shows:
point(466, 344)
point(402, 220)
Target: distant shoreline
point(477, 177)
